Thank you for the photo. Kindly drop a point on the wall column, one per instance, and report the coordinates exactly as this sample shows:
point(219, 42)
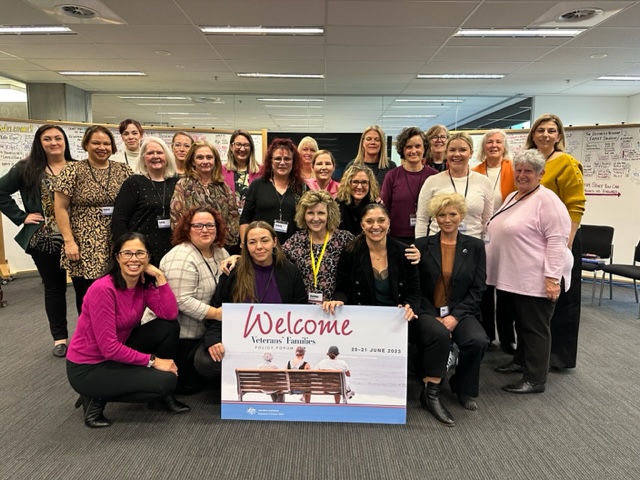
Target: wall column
point(58, 101)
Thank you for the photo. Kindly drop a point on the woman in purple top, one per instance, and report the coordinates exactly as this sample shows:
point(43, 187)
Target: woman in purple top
point(262, 275)
point(401, 186)
point(112, 358)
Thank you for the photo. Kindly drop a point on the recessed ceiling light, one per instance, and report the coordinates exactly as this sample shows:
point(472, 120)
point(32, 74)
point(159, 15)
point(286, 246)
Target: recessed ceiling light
point(461, 76)
point(163, 53)
point(151, 97)
point(229, 30)
point(627, 78)
point(300, 115)
point(182, 113)
point(103, 74)
point(35, 30)
point(408, 116)
point(290, 99)
point(427, 100)
point(521, 32)
point(596, 56)
point(281, 75)
point(165, 105)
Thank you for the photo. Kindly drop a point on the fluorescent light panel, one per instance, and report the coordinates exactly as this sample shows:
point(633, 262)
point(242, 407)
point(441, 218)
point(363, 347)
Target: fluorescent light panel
point(290, 100)
point(408, 116)
point(461, 76)
point(103, 74)
point(427, 100)
point(281, 75)
point(10, 95)
point(520, 32)
point(35, 30)
point(229, 30)
point(151, 97)
point(623, 78)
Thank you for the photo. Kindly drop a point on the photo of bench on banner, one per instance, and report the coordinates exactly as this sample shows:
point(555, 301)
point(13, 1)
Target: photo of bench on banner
point(355, 370)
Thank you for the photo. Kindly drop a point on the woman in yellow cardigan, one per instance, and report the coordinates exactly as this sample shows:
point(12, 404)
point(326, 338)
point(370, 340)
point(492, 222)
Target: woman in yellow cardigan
point(563, 175)
point(496, 165)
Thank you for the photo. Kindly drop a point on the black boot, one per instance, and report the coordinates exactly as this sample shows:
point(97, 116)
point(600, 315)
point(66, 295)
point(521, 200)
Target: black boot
point(170, 404)
point(465, 400)
point(430, 401)
point(82, 401)
point(93, 416)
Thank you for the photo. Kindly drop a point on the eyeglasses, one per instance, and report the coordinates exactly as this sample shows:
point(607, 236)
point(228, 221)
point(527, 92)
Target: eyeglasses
point(128, 254)
point(439, 137)
point(200, 226)
point(282, 159)
point(181, 145)
point(355, 183)
point(246, 146)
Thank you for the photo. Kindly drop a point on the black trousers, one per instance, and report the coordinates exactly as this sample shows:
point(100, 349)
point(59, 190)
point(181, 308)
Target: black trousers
point(205, 365)
point(488, 312)
point(118, 382)
point(190, 380)
point(505, 319)
point(533, 326)
point(472, 341)
point(566, 316)
point(432, 340)
point(81, 285)
point(54, 279)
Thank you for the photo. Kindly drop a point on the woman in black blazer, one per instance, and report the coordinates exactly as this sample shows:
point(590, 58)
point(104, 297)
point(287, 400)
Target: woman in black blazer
point(262, 275)
point(374, 270)
point(453, 276)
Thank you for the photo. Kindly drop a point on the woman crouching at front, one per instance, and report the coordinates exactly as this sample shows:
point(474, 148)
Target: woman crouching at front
point(262, 275)
point(374, 270)
point(112, 358)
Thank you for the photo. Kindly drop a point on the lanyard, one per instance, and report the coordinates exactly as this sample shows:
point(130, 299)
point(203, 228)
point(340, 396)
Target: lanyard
point(93, 175)
point(507, 205)
point(280, 199)
point(315, 267)
point(206, 262)
point(466, 188)
point(266, 288)
point(164, 191)
point(497, 178)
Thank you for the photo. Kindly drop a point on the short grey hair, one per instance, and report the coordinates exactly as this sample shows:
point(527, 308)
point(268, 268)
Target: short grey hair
point(532, 157)
point(507, 151)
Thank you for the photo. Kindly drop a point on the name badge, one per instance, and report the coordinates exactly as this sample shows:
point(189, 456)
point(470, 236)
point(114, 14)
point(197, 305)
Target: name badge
point(164, 223)
point(486, 237)
point(108, 211)
point(412, 220)
point(315, 297)
point(280, 226)
point(462, 227)
point(444, 311)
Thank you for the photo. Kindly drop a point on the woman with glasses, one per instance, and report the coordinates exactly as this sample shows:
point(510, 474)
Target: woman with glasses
point(111, 357)
point(435, 155)
point(40, 236)
point(458, 178)
point(307, 148)
point(131, 133)
point(262, 275)
point(85, 193)
point(402, 185)
point(143, 203)
point(242, 167)
point(202, 185)
point(372, 152)
point(563, 176)
point(180, 144)
point(358, 189)
point(273, 197)
point(192, 269)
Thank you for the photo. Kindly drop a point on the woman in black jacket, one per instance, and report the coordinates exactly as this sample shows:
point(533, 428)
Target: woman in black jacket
point(374, 270)
point(453, 276)
point(262, 275)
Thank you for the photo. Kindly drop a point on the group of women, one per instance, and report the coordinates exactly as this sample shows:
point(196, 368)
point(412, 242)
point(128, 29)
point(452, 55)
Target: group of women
point(208, 234)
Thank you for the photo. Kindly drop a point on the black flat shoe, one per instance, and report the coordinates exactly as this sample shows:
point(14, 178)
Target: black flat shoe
point(60, 350)
point(509, 368)
point(523, 387)
point(169, 404)
point(466, 401)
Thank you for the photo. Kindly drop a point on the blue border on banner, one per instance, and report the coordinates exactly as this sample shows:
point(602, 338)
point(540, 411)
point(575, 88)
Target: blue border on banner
point(316, 413)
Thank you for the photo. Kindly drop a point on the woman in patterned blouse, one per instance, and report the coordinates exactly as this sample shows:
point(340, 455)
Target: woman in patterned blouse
point(204, 185)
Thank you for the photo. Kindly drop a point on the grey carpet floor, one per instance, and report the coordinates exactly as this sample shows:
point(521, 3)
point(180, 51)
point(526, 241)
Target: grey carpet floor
point(585, 426)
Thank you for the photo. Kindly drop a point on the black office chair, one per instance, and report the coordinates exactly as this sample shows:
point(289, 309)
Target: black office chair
point(624, 270)
point(597, 240)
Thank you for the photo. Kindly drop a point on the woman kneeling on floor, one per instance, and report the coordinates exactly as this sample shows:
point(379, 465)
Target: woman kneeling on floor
point(112, 358)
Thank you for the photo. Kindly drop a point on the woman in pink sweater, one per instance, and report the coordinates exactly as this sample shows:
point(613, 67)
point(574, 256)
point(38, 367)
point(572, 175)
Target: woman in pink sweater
point(527, 257)
point(112, 358)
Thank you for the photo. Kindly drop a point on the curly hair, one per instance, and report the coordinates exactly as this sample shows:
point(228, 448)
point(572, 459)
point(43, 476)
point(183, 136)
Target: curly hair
point(312, 198)
point(182, 232)
point(442, 200)
point(407, 134)
point(344, 191)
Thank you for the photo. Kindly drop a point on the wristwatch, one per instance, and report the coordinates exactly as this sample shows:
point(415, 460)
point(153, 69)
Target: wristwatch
point(152, 360)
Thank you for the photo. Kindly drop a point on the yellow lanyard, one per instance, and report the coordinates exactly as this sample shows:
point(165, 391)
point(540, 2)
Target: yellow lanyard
point(315, 267)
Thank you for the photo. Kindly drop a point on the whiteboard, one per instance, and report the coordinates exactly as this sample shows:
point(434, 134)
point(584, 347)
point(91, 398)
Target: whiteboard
point(16, 137)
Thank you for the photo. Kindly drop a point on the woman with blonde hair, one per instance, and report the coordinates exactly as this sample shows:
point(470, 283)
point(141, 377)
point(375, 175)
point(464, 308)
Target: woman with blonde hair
point(203, 185)
point(358, 189)
point(372, 152)
point(435, 154)
point(563, 176)
point(307, 148)
point(180, 144)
